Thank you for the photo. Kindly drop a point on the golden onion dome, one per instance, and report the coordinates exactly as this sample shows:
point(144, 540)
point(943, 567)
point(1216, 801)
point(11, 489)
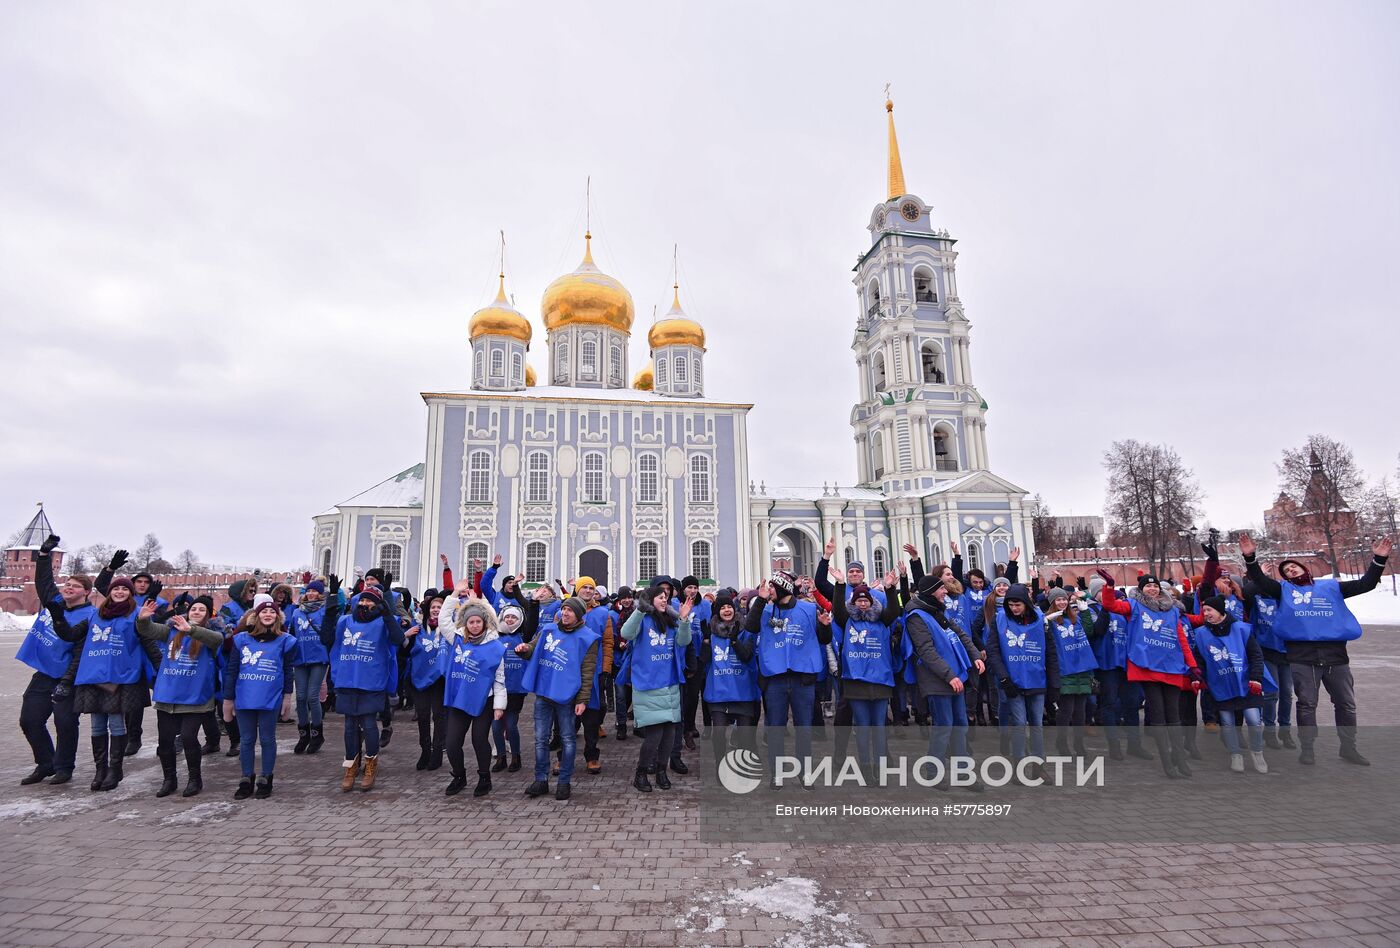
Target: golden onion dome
point(644, 380)
point(675, 329)
point(500, 319)
point(529, 376)
point(587, 297)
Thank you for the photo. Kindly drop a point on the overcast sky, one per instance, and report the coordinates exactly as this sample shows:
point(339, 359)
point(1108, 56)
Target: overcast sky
point(237, 241)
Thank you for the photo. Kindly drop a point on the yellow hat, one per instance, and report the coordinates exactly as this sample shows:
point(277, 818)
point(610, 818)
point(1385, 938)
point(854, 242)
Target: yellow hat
point(584, 581)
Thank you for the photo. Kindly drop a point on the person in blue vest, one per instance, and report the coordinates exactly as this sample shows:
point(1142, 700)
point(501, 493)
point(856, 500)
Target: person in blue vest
point(426, 642)
point(701, 609)
point(623, 605)
point(1160, 660)
point(144, 586)
point(943, 658)
point(1233, 664)
point(1026, 666)
point(792, 639)
point(1278, 708)
point(311, 621)
point(1119, 699)
point(184, 688)
point(603, 622)
point(258, 684)
point(240, 600)
point(1315, 623)
point(472, 663)
point(517, 625)
point(868, 656)
point(1069, 629)
point(658, 637)
point(561, 674)
point(729, 670)
point(49, 692)
point(362, 664)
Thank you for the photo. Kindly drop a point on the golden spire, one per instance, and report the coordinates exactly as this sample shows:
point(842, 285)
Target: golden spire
point(588, 249)
point(896, 172)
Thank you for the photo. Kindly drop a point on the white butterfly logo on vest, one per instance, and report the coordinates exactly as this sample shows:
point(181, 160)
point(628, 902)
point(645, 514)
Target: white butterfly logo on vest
point(429, 644)
point(656, 638)
point(550, 643)
point(461, 657)
point(1301, 598)
point(1221, 654)
point(857, 636)
point(1267, 607)
point(250, 657)
point(1067, 631)
point(721, 653)
point(352, 638)
point(1014, 640)
point(100, 634)
point(1152, 625)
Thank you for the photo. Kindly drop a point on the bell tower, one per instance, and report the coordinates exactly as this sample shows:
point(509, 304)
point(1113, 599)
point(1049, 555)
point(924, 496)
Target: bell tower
point(918, 420)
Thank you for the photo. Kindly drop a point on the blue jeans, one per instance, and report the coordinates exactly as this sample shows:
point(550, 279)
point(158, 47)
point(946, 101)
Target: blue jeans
point(1278, 709)
point(548, 716)
point(1022, 708)
point(868, 718)
point(949, 726)
point(507, 729)
point(781, 695)
point(1253, 720)
point(113, 724)
point(1119, 700)
point(260, 727)
point(308, 680)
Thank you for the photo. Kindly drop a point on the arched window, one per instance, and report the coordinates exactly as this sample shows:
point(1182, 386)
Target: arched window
point(872, 299)
point(517, 367)
point(648, 560)
point(700, 492)
point(537, 478)
point(697, 374)
point(877, 455)
point(879, 563)
point(924, 289)
point(479, 478)
point(476, 552)
point(588, 360)
point(944, 455)
point(661, 373)
point(648, 480)
point(561, 361)
point(594, 483)
point(326, 561)
point(700, 564)
point(877, 371)
point(498, 363)
point(680, 370)
point(391, 559)
point(932, 361)
point(850, 555)
point(615, 364)
point(974, 555)
point(536, 554)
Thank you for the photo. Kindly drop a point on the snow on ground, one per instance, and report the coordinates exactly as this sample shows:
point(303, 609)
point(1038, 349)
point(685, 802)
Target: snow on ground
point(200, 813)
point(1380, 606)
point(15, 622)
point(811, 921)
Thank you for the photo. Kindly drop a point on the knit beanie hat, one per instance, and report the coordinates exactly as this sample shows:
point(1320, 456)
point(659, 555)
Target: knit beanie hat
point(1215, 602)
point(123, 582)
point(861, 591)
point(1002, 583)
point(625, 592)
point(513, 612)
point(928, 585)
point(575, 605)
point(1146, 578)
point(721, 602)
point(1096, 585)
point(208, 602)
point(371, 593)
point(261, 600)
point(689, 581)
point(316, 586)
point(474, 607)
point(143, 575)
point(1056, 592)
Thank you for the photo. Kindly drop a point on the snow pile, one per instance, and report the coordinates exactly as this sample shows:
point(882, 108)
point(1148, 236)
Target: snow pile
point(41, 809)
point(199, 813)
point(15, 622)
point(811, 921)
point(1380, 606)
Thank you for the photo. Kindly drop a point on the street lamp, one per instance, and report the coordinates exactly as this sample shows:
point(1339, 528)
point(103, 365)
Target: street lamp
point(1189, 538)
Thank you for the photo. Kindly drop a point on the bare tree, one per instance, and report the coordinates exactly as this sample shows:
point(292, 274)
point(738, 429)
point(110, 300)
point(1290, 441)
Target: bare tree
point(1318, 479)
point(76, 564)
point(1152, 496)
point(1043, 526)
point(99, 554)
point(188, 562)
point(146, 553)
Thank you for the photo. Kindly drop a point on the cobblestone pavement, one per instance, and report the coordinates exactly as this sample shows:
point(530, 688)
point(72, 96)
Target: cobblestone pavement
point(404, 865)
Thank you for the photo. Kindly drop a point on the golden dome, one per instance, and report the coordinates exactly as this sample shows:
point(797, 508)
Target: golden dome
point(645, 380)
point(529, 376)
point(676, 329)
point(500, 319)
point(587, 297)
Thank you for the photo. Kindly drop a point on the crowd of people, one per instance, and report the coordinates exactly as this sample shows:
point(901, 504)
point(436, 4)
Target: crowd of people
point(956, 653)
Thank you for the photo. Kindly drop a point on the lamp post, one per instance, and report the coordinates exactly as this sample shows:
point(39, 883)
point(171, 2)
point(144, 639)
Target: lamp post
point(1189, 538)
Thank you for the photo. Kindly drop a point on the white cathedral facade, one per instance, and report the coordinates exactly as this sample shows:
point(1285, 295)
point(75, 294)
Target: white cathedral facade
point(590, 475)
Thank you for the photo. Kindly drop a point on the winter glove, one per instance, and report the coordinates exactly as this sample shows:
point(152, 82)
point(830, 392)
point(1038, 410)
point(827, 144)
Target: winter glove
point(1008, 688)
point(1210, 550)
point(62, 691)
point(1107, 576)
point(49, 545)
point(154, 589)
point(333, 584)
point(117, 561)
point(1186, 584)
point(1256, 689)
point(1196, 675)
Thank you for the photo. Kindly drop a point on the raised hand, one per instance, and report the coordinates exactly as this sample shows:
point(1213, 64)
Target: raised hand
point(823, 617)
point(912, 550)
point(522, 648)
point(117, 561)
point(1248, 547)
point(442, 558)
point(496, 560)
point(829, 549)
point(49, 545)
point(903, 568)
point(1015, 554)
point(891, 579)
point(154, 589)
point(464, 589)
point(179, 623)
point(953, 545)
point(148, 609)
point(1107, 576)
point(411, 631)
point(1210, 549)
point(1382, 547)
point(332, 584)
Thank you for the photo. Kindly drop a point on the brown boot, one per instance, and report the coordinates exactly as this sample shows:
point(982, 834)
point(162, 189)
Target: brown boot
point(352, 770)
point(371, 765)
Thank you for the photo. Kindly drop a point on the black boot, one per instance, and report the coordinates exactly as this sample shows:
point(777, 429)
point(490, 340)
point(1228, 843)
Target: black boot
point(1285, 737)
point(234, 738)
point(245, 789)
point(1305, 753)
point(195, 781)
point(1189, 743)
point(303, 740)
point(537, 789)
point(641, 782)
point(116, 754)
point(622, 731)
point(425, 755)
point(167, 768)
point(677, 767)
point(386, 734)
point(435, 758)
point(99, 760)
point(1135, 746)
point(663, 782)
point(1349, 753)
point(498, 764)
point(1179, 753)
point(458, 783)
point(60, 776)
point(483, 783)
point(1271, 739)
point(264, 789)
point(317, 739)
point(37, 774)
point(131, 745)
point(514, 764)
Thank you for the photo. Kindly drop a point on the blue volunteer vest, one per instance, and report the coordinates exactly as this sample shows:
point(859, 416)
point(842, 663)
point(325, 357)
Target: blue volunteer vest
point(1152, 641)
point(1023, 650)
point(787, 640)
point(1315, 613)
point(42, 649)
point(656, 662)
point(865, 653)
point(306, 627)
point(260, 683)
point(957, 609)
point(182, 679)
point(112, 653)
point(424, 659)
point(1072, 647)
point(906, 649)
point(361, 657)
point(555, 670)
point(471, 674)
point(1226, 663)
point(1111, 648)
point(1235, 607)
point(946, 642)
point(728, 679)
point(515, 665)
point(1265, 610)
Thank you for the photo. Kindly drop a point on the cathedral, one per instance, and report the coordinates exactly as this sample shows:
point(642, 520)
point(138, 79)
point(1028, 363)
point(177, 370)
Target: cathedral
point(621, 476)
